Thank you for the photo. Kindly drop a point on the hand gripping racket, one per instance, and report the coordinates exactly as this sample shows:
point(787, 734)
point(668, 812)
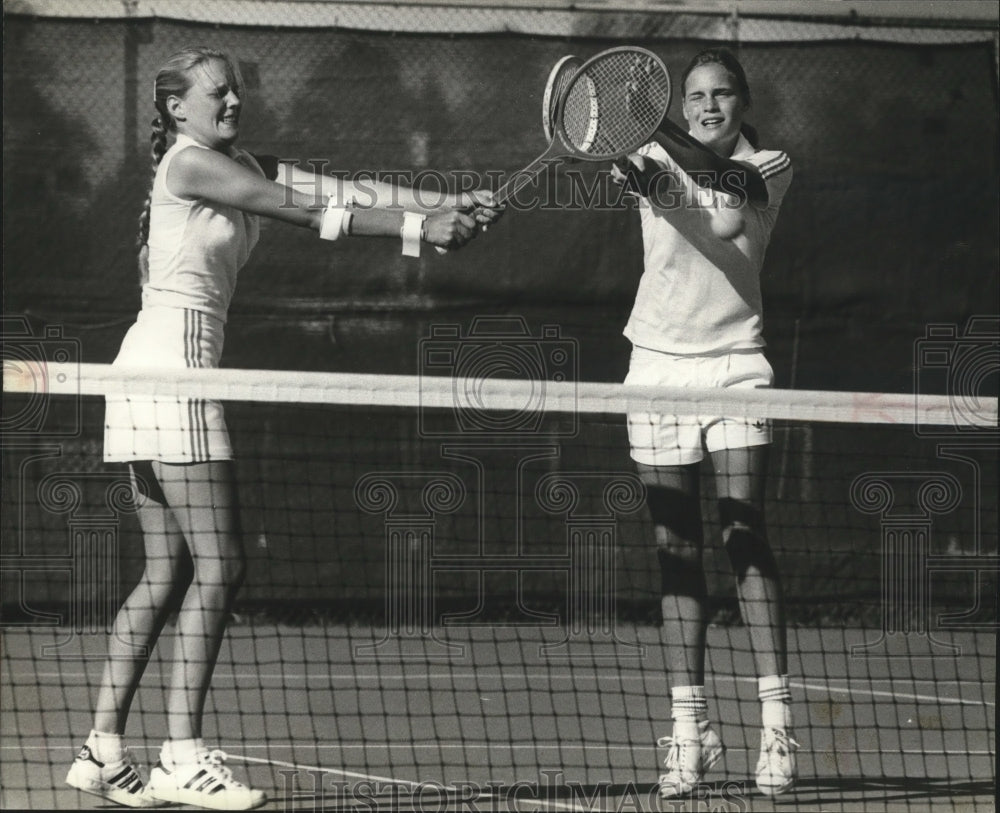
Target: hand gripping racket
point(599, 116)
point(555, 86)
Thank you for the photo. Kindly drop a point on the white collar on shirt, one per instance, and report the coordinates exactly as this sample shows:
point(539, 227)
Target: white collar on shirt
point(743, 149)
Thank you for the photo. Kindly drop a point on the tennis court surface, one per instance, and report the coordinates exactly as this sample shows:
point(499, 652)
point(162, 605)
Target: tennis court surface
point(499, 727)
point(435, 620)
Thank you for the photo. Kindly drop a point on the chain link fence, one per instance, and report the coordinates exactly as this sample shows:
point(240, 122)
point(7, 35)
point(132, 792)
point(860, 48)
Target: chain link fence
point(892, 213)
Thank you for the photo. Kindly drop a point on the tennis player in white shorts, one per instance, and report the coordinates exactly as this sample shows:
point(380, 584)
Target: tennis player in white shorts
point(669, 440)
point(198, 228)
point(697, 322)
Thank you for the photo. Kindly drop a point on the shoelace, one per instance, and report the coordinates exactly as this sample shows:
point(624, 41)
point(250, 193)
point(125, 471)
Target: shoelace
point(216, 758)
point(676, 746)
point(778, 739)
point(131, 761)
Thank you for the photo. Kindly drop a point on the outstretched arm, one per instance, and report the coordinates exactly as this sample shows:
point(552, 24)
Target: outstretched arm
point(374, 194)
point(710, 169)
point(197, 173)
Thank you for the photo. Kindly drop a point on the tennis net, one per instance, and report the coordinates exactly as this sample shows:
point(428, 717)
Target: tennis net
point(452, 595)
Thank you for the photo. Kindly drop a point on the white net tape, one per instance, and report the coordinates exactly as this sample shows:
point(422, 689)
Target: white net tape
point(360, 389)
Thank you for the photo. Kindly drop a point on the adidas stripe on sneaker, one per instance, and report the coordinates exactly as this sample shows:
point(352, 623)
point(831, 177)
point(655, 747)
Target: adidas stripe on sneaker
point(118, 782)
point(206, 782)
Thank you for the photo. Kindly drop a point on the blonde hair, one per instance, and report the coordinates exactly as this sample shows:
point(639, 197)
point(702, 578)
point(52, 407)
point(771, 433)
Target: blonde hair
point(174, 78)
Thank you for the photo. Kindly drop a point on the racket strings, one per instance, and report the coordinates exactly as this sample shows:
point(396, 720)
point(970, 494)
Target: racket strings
point(611, 106)
point(615, 103)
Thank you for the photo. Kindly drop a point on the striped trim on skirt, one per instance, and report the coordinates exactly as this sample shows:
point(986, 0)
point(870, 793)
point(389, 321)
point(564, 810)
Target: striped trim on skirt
point(171, 430)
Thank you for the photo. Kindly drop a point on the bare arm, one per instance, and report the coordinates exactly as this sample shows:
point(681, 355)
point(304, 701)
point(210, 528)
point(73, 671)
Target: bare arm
point(370, 193)
point(198, 173)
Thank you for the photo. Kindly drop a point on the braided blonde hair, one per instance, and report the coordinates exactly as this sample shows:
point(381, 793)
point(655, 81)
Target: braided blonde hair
point(173, 79)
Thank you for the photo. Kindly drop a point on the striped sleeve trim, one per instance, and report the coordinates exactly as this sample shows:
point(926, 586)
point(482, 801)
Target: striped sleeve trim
point(775, 165)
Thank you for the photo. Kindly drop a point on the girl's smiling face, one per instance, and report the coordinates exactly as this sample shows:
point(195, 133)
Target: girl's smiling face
point(209, 112)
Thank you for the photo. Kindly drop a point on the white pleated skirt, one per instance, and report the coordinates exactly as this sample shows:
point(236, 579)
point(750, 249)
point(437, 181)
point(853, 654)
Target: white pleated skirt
point(171, 430)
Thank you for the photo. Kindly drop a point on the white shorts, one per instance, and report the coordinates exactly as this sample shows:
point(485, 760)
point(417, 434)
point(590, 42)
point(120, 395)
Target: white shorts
point(171, 430)
point(668, 440)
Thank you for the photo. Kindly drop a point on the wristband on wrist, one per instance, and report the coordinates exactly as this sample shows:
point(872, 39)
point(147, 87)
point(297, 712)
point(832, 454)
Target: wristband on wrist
point(336, 221)
point(412, 233)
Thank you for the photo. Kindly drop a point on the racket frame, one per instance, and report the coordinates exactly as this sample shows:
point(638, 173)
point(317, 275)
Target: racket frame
point(562, 147)
point(569, 64)
point(647, 136)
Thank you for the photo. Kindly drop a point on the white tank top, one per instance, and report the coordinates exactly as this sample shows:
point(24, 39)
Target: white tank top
point(196, 247)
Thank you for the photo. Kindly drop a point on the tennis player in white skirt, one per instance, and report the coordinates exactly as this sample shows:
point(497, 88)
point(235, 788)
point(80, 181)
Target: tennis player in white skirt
point(198, 228)
point(195, 250)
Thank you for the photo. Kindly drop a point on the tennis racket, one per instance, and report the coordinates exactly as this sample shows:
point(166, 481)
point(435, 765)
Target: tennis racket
point(603, 112)
point(555, 86)
point(558, 79)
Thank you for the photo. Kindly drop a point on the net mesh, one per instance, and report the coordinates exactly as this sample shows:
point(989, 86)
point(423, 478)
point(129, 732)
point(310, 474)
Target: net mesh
point(452, 606)
point(452, 594)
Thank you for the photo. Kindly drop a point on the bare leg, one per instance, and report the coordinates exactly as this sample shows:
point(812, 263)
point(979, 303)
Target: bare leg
point(204, 502)
point(673, 496)
point(141, 618)
point(740, 479)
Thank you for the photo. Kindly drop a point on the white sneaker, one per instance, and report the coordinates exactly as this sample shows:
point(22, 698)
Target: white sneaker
point(688, 761)
point(207, 782)
point(117, 782)
point(777, 768)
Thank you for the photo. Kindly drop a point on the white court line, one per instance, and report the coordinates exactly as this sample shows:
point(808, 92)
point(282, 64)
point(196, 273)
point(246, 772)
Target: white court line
point(480, 677)
point(465, 746)
point(352, 774)
point(390, 780)
point(930, 698)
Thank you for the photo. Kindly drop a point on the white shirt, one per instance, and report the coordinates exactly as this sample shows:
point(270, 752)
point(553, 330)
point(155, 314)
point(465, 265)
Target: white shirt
point(196, 247)
point(700, 294)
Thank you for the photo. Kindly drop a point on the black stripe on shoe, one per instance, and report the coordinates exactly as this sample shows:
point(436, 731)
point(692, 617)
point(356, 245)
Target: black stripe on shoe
point(125, 773)
point(196, 778)
point(204, 786)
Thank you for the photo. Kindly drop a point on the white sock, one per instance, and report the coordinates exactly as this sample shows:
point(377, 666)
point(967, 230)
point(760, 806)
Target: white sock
point(106, 748)
point(775, 701)
point(688, 707)
point(181, 752)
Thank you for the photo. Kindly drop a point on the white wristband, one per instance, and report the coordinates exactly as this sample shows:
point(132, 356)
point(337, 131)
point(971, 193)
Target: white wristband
point(413, 227)
point(336, 222)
